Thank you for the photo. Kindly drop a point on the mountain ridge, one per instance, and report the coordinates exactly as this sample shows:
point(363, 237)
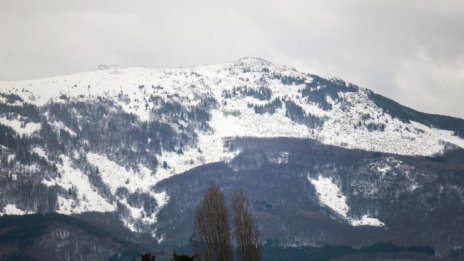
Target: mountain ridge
point(128, 142)
point(135, 83)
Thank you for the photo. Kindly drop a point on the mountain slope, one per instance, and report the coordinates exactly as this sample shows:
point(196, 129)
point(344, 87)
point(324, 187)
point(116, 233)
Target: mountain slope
point(293, 103)
point(57, 237)
point(113, 141)
point(368, 197)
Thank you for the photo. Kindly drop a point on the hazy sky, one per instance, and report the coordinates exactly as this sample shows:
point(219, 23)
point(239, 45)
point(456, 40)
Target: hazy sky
point(409, 50)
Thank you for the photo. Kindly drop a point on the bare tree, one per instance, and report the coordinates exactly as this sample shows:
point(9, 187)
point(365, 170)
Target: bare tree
point(246, 234)
point(211, 227)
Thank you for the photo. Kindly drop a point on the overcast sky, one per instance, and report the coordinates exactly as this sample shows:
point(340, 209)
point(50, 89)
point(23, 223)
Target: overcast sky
point(409, 50)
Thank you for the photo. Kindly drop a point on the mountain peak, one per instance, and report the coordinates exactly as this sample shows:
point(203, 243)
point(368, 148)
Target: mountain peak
point(249, 60)
point(102, 67)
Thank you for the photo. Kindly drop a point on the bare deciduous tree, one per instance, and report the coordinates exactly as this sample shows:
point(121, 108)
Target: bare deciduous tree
point(211, 227)
point(246, 234)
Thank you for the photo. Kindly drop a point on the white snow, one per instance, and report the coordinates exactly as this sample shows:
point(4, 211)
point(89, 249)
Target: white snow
point(12, 209)
point(16, 103)
point(88, 198)
point(116, 176)
point(41, 152)
point(58, 125)
point(398, 137)
point(330, 195)
point(48, 182)
point(20, 127)
point(384, 169)
point(66, 205)
point(10, 158)
point(367, 221)
point(132, 87)
point(278, 158)
point(210, 147)
point(413, 187)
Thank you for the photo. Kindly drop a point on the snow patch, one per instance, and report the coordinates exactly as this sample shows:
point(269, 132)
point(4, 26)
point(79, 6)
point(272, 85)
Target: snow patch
point(116, 176)
point(58, 125)
point(10, 158)
point(278, 157)
point(397, 137)
point(15, 103)
point(41, 152)
point(88, 198)
point(330, 195)
point(12, 210)
point(141, 181)
point(20, 127)
point(367, 221)
point(384, 169)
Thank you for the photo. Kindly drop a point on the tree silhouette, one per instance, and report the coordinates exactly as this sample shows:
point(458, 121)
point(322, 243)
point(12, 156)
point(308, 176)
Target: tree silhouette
point(146, 257)
point(211, 227)
point(245, 231)
point(176, 257)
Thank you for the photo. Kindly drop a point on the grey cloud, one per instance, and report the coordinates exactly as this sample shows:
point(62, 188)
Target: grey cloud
point(409, 50)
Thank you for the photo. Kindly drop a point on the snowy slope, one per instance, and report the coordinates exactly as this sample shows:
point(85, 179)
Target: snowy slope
point(248, 97)
point(330, 195)
point(131, 88)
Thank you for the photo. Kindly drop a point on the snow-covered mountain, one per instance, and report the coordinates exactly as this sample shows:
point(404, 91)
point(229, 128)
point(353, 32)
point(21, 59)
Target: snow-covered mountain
point(108, 141)
point(252, 97)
